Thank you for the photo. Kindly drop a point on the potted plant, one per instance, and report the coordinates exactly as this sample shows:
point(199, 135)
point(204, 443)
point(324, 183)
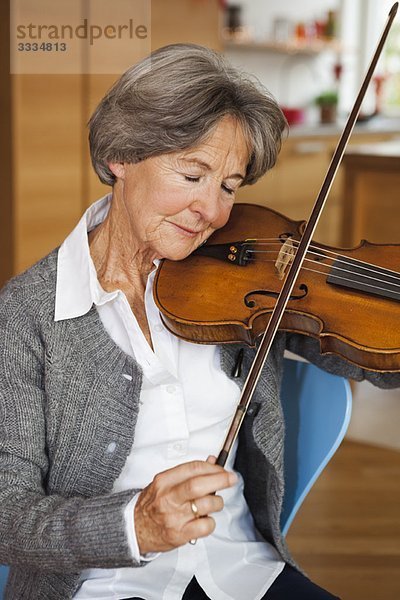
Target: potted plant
point(327, 102)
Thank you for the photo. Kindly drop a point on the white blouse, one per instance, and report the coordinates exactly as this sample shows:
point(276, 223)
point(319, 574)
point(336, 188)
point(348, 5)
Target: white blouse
point(186, 406)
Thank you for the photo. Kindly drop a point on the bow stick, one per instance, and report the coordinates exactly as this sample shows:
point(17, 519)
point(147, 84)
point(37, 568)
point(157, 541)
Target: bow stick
point(283, 298)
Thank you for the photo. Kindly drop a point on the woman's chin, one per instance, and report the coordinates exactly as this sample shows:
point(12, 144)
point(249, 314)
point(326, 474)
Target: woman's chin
point(179, 253)
point(178, 256)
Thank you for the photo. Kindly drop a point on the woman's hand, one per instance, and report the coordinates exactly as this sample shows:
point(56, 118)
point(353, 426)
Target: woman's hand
point(164, 518)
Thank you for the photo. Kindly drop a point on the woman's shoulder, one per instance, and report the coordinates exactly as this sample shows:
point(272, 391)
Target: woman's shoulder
point(33, 291)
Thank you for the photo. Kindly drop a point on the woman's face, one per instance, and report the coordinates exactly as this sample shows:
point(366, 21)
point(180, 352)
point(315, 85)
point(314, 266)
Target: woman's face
point(173, 202)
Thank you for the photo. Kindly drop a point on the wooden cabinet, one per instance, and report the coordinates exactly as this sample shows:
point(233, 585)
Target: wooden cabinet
point(293, 185)
point(371, 194)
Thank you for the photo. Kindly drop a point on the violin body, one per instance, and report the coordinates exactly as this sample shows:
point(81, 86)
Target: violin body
point(354, 313)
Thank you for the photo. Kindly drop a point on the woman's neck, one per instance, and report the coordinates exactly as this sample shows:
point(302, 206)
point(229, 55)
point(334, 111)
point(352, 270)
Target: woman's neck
point(120, 263)
point(119, 260)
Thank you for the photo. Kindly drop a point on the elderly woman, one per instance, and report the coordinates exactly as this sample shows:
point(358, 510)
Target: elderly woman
point(109, 424)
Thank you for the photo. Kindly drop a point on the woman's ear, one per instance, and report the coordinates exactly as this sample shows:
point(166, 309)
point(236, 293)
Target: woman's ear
point(117, 169)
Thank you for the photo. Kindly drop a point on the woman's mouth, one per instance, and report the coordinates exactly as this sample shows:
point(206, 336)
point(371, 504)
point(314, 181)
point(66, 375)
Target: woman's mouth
point(186, 231)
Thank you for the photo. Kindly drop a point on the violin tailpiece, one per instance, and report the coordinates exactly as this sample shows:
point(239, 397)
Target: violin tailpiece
point(236, 253)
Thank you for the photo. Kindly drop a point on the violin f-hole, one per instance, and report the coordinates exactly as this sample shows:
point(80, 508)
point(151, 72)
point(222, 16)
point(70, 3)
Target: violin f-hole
point(252, 304)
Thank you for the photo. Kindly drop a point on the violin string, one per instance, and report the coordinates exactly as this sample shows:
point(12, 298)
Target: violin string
point(345, 259)
point(354, 275)
point(346, 279)
point(324, 252)
point(332, 268)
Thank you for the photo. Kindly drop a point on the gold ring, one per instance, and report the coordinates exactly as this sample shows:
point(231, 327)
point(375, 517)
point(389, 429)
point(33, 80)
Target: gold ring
point(195, 510)
point(196, 515)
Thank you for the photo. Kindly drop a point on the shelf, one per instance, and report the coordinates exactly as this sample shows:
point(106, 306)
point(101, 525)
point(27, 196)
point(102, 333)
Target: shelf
point(294, 47)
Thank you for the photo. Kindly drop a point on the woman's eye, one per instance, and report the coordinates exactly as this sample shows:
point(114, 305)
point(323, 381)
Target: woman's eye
point(227, 189)
point(191, 178)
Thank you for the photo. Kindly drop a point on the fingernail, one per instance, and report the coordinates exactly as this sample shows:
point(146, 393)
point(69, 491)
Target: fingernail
point(233, 478)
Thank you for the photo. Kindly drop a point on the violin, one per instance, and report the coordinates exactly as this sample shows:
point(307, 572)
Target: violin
point(226, 290)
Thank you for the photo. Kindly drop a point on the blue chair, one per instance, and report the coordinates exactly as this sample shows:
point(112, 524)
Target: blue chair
point(3, 579)
point(317, 410)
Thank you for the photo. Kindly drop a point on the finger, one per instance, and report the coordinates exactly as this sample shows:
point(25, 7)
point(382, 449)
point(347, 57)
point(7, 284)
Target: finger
point(197, 487)
point(211, 459)
point(198, 528)
point(205, 506)
point(183, 472)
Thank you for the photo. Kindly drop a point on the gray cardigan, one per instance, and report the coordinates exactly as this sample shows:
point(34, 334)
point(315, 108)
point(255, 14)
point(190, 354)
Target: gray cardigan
point(63, 400)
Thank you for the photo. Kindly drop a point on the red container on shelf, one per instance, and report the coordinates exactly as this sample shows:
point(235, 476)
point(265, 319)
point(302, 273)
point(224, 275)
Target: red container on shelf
point(294, 116)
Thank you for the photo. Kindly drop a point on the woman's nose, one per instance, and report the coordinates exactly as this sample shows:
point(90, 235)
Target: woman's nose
point(208, 205)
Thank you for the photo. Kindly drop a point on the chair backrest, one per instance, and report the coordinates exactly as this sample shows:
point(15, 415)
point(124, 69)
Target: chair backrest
point(317, 410)
point(3, 579)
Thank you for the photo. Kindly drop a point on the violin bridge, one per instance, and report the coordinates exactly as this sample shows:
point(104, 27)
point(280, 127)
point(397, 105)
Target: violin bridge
point(285, 257)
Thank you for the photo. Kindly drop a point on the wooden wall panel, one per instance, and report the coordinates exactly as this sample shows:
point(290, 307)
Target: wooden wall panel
point(176, 21)
point(6, 204)
point(47, 132)
point(53, 177)
point(95, 88)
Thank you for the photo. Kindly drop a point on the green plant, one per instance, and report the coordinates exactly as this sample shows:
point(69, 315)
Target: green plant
point(327, 98)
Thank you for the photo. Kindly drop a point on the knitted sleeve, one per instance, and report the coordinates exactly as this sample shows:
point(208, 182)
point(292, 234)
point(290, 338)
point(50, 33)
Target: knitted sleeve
point(50, 532)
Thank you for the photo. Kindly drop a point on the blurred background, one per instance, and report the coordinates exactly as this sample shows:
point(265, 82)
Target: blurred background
point(311, 55)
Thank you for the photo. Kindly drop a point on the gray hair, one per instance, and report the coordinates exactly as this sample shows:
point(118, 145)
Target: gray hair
point(172, 100)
